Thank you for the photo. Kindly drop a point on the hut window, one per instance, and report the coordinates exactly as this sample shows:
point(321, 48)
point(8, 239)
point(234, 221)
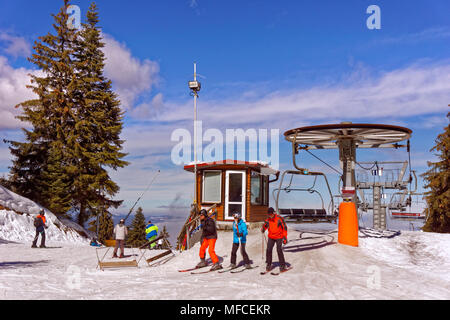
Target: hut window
point(259, 192)
point(265, 191)
point(256, 189)
point(212, 186)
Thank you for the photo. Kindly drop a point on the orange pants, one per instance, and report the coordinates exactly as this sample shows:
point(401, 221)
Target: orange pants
point(210, 244)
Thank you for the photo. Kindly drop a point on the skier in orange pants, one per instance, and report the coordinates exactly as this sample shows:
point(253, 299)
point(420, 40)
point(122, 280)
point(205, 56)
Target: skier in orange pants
point(208, 240)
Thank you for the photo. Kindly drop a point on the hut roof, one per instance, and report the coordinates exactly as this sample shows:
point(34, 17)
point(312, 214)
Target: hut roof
point(265, 168)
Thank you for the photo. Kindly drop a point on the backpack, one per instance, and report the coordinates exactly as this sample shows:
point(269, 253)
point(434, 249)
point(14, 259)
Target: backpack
point(37, 221)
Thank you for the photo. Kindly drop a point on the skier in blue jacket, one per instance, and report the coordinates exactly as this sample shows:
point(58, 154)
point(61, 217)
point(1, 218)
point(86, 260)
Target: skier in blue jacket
point(239, 236)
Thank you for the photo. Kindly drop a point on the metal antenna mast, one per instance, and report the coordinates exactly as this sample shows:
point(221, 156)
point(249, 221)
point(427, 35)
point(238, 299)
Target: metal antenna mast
point(195, 87)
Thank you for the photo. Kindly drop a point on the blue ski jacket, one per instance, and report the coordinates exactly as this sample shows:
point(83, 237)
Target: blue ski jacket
point(240, 227)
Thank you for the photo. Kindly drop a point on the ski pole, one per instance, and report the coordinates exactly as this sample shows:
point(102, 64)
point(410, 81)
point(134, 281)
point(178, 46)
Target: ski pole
point(262, 247)
point(148, 187)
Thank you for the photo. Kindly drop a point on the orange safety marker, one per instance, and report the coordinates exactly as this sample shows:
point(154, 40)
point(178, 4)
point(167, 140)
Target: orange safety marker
point(348, 224)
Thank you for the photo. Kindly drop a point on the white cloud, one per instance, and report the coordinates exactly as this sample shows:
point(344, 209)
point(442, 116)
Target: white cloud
point(436, 33)
point(148, 110)
point(12, 92)
point(15, 46)
point(131, 76)
point(401, 93)
point(434, 122)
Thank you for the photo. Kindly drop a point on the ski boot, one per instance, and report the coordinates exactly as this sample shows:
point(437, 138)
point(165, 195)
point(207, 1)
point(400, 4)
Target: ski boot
point(201, 264)
point(115, 255)
point(216, 266)
point(248, 266)
point(232, 266)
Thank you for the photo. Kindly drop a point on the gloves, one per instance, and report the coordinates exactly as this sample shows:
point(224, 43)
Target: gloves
point(285, 241)
point(240, 235)
point(262, 230)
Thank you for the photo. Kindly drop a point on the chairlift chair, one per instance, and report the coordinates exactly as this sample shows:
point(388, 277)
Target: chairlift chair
point(302, 214)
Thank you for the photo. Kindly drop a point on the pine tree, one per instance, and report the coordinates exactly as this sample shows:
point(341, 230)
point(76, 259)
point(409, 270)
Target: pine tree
point(50, 114)
point(56, 183)
point(106, 226)
point(136, 232)
point(96, 142)
point(76, 123)
point(438, 181)
point(166, 243)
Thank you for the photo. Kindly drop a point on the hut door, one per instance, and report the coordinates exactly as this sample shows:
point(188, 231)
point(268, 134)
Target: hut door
point(235, 194)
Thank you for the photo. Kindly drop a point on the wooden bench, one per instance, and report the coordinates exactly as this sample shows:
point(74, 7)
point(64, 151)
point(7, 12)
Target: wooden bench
point(130, 263)
point(159, 256)
point(117, 264)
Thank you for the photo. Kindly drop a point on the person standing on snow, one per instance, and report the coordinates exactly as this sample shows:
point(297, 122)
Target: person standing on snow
point(151, 232)
point(208, 240)
point(277, 235)
point(239, 235)
point(39, 223)
point(120, 233)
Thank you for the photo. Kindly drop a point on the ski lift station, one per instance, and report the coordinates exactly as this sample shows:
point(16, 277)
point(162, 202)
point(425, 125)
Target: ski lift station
point(234, 186)
point(231, 186)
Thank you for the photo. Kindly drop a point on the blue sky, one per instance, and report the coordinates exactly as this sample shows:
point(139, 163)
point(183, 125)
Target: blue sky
point(262, 64)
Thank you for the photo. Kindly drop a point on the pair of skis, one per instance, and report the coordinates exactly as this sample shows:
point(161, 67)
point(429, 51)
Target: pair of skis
point(231, 270)
point(275, 273)
point(193, 270)
point(237, 269)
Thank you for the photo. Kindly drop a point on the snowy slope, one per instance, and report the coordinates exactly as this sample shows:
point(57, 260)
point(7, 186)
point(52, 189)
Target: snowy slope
point(412, 265)
point(16, 221)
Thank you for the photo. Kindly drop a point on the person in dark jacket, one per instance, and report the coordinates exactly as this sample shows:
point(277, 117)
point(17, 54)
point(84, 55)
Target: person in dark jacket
point(239, 235)
point(208, 241)
point(40, 229)
point(277, 234)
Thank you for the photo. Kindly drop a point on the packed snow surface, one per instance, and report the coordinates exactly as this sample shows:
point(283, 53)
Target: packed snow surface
point(412, 265)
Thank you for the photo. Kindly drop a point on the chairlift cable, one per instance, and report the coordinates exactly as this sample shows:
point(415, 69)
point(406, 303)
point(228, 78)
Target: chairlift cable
point(323, 161)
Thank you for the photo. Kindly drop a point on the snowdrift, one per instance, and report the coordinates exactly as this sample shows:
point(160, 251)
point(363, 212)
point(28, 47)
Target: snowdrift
point(16, 221)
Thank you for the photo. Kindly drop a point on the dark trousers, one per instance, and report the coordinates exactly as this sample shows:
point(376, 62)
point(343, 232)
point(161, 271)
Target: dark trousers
point(121, 244)
point(243, 252)
point(42, 233)
point(270, 245)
